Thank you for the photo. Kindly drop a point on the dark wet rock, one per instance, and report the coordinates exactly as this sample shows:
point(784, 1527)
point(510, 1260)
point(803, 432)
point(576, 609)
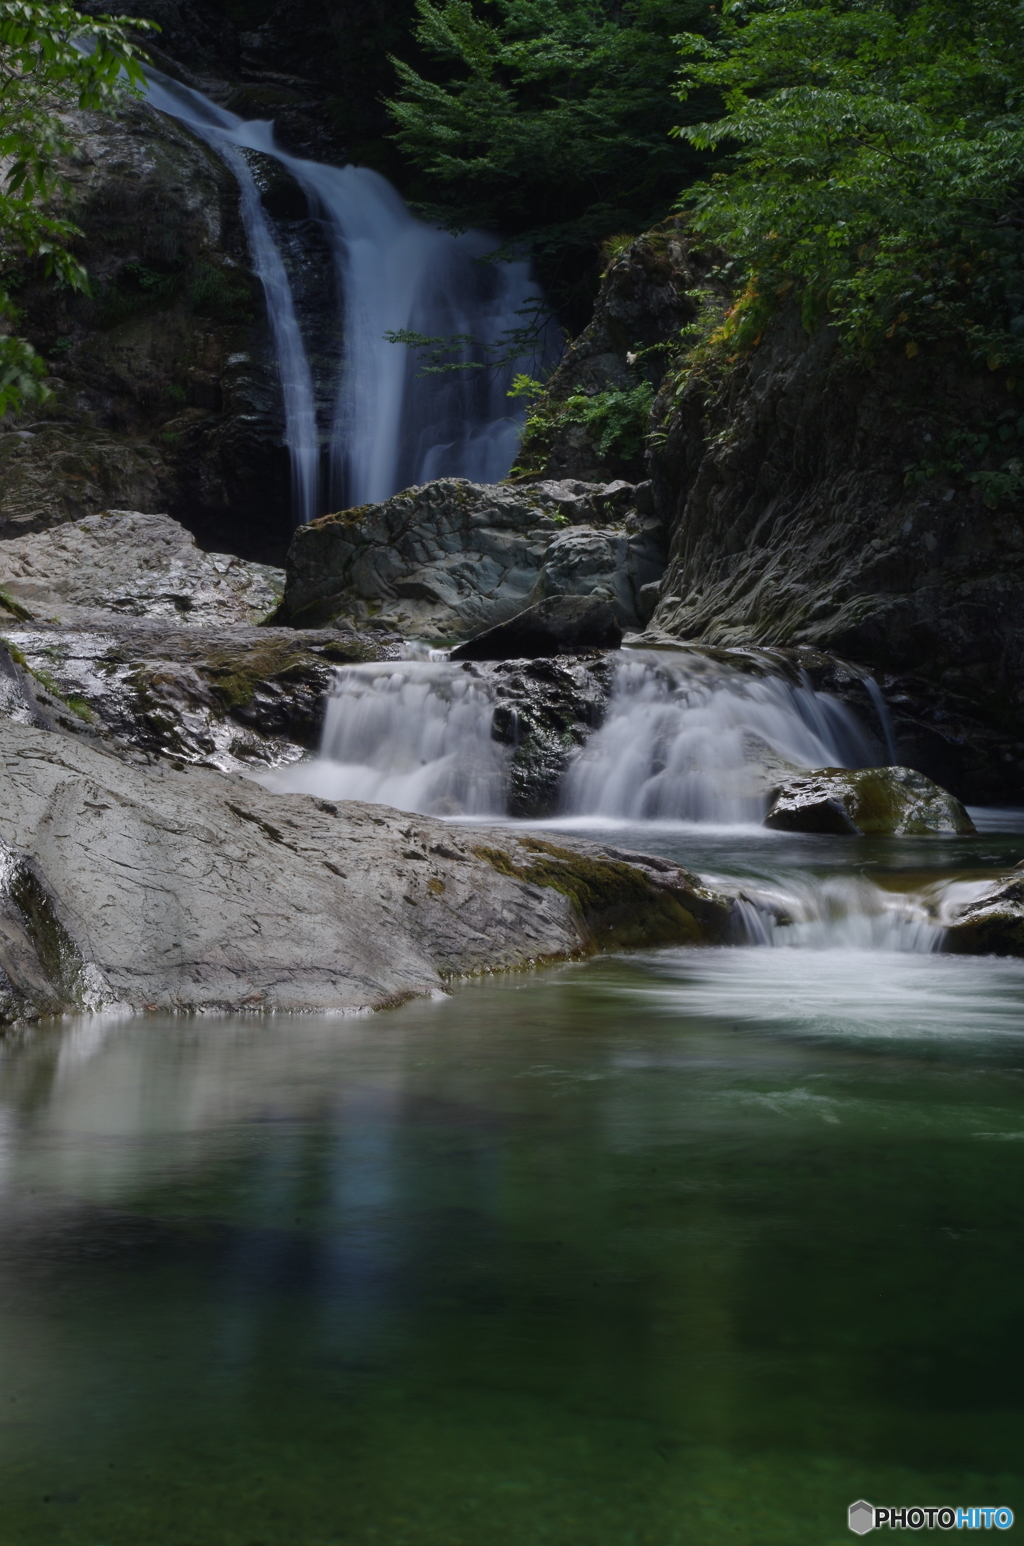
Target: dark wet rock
point(166, 389)
point(545, 711)
point(871, 802)
point(195, 890)
point(816, 503)
point(623, 900)
point(120, 627)
point(991, 924)
point(42, 970)
point(561, 625)
point(224, 697)
point(450, 558)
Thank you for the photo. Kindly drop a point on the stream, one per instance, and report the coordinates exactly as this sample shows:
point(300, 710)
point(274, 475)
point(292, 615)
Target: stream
point(681, 1249)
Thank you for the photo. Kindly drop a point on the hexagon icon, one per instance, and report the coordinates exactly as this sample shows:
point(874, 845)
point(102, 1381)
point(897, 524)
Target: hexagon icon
point(862, 1517)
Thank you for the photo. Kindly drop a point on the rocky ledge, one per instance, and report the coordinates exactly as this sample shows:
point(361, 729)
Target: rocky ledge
point(146, 887)
point(450, 558)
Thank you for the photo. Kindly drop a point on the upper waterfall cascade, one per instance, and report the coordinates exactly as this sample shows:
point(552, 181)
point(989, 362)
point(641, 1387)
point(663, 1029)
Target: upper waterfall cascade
point(390, 427)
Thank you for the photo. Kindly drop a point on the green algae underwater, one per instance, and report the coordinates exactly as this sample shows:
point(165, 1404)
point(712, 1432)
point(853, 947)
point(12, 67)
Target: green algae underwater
point(669, 1250)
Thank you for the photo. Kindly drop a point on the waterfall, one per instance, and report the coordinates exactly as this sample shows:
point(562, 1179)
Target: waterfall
point(225, 133)
point(411, 734)
point(685, 739)
point(688, 739)
point(391, 426)
point(845, 912)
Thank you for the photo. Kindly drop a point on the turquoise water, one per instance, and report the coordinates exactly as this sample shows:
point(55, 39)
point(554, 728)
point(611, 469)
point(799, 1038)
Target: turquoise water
point(690, 1248)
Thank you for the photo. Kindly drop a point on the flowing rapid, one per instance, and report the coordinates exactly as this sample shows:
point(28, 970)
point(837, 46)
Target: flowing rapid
point(682, 764)
point(391, 426)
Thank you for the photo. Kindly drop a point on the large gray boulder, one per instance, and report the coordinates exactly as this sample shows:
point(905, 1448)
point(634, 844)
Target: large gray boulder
point(121, 563)
point(992, 922)
point(123, 884)
point(450, 558)
point(867, 802)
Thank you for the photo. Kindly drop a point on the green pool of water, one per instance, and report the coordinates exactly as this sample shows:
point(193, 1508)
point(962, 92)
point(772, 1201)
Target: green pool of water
point(693, 1249)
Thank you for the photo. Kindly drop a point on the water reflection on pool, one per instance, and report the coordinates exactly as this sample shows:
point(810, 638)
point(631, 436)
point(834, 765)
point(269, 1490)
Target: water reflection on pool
point(692, 1248)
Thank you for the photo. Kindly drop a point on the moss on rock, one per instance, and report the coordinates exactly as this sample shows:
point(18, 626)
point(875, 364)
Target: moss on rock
point(622, 905)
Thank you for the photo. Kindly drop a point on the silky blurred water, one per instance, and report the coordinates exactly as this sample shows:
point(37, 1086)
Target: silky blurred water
point(696, 1247)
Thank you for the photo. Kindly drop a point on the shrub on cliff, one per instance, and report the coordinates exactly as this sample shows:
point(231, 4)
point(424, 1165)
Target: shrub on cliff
point(548, 120)
point(873, 166)
point(51, 59)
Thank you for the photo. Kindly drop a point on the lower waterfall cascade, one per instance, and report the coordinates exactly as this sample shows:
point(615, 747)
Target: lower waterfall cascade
point(391, 426)
point(683, 758)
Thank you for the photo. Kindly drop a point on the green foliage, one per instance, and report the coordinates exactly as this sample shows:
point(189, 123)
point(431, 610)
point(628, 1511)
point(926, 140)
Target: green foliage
point(548, 120)
point(43, 72)
point(136, 289)
point(871, 161)
point(619, 419)
point(442, 353)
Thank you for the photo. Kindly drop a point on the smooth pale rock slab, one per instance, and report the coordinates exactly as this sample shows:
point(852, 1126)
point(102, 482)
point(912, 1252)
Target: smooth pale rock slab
point(196, 890)
point(450, 558)
point(870, 802)
point(561, 625)
point(126, 564)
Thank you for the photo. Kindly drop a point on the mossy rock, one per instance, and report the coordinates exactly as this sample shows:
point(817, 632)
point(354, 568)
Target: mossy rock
point(621, 905)
point(866, 802)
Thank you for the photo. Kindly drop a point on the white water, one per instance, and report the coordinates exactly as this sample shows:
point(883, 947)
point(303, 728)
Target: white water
point(684, 740)
point(391, 427)
point(412, 734)
point(225, 133)
point(679, 766)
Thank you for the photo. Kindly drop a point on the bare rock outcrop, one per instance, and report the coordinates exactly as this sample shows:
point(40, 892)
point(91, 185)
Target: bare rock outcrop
point(121, 563)
point(447, 559)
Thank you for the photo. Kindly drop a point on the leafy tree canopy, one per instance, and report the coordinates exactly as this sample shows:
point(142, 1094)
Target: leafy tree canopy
point(548, 121)
point(873, 164)
point(51, 59)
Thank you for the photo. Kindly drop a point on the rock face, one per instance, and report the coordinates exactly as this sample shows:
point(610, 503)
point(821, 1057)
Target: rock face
point(813, 502)
point(451, 558)
point(545, 711)
point(869, 802)
point(992, 924)
point(229, 698)
point(166, 393)
point(121, 884)
point(646, 297)
point(119, 626)
point(562, 625)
